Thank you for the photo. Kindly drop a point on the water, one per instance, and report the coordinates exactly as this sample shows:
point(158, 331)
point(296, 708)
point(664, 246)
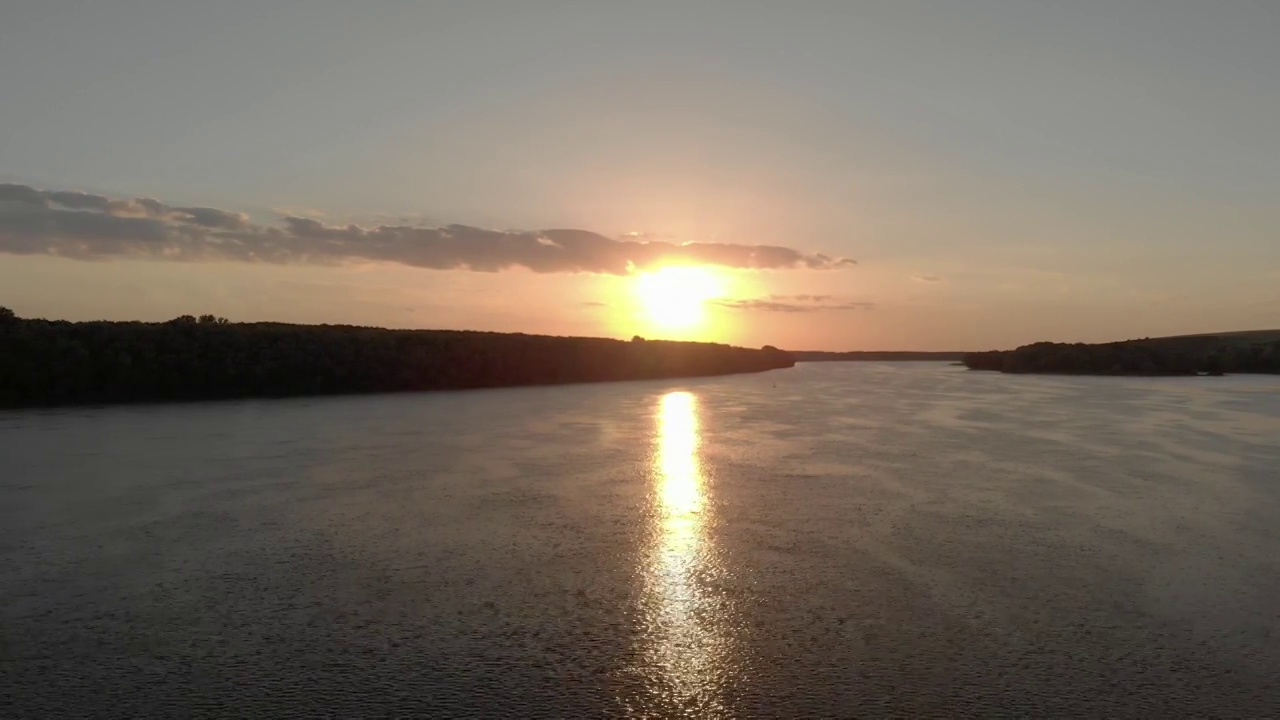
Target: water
point(834, 540)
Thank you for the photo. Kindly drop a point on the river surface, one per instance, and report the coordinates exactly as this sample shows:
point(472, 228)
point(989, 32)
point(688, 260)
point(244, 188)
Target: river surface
point(832, 540)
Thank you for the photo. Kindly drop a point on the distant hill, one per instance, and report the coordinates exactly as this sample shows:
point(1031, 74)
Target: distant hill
point(1247, 351)
point(874, 356)
point(1250, 335)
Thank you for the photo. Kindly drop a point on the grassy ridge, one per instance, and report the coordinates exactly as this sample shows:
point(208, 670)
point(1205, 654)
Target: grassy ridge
point(1250, 335)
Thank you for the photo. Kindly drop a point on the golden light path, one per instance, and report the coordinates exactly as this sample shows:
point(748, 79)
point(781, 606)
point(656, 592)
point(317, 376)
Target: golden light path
point(684, 621)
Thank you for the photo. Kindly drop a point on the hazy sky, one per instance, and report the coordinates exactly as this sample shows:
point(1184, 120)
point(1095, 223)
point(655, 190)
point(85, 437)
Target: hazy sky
point(1002, 172)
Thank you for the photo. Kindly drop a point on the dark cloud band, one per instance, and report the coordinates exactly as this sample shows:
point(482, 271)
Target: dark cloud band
point(92, 227)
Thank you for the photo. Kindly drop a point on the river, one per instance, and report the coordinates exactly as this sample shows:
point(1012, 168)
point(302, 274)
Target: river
point(832, 540)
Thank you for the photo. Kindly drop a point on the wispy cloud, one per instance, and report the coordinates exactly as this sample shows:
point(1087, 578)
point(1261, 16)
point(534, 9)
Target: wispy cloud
point(802, 298)
point(299, 211)
point(792, 304)
point(93, 227)
point(928, 278)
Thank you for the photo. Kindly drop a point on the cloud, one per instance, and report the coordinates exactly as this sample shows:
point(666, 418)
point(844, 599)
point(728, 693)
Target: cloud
point(299, 210)
point(928, 278)
point(93, 227)
point(211, 218)
point(801, 298)
point(595, 304)
point(791, 304)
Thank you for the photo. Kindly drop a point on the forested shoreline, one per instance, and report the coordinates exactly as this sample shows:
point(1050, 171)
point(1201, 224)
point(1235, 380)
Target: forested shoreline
point(1245, 352)
point(45, 363)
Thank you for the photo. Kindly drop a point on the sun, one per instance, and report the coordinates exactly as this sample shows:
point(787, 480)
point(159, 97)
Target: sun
point(675, 297)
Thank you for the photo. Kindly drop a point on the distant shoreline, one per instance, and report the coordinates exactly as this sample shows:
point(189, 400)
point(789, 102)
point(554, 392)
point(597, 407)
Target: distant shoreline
point(52, 363)
point(1250, 352)
point(876, 356)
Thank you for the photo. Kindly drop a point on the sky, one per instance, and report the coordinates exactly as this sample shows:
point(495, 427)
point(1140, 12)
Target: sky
point(896, 175)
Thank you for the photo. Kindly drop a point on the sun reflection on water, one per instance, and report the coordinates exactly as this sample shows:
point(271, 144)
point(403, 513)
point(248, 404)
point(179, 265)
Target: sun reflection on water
point(686, 647)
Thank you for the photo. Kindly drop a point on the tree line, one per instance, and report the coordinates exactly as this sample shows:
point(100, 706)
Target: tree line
point(1192, 355)
point(46, 362)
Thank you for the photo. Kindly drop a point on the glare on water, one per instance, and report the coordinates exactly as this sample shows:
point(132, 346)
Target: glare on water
point(686, 622)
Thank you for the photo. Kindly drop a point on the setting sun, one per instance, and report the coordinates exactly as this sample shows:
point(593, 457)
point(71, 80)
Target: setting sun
point(674, 298)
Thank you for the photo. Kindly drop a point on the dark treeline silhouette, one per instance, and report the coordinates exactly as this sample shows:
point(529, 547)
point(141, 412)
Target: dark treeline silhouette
point(56, 362)
point(1248, 352)
point(874, 356)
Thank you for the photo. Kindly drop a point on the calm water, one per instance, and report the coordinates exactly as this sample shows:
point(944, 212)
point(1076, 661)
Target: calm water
point(834, 540)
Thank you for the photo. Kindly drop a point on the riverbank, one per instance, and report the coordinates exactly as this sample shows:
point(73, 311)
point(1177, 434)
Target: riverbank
point(45, 363)
point(1239, 352)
